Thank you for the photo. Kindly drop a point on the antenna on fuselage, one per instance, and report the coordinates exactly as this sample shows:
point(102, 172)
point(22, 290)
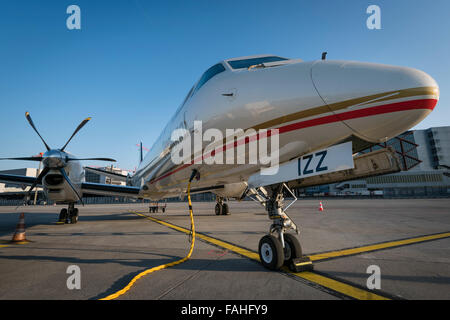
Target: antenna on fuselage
point(141, 156)
point(324, 55)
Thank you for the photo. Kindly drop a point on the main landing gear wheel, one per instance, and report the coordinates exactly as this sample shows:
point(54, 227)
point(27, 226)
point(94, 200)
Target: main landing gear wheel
point(62, 216)
point(218, 209)
point(271, 252)
point(221, 209)
point(74, 216)
point(69, 215)
point(292, 249)
point(225, 210)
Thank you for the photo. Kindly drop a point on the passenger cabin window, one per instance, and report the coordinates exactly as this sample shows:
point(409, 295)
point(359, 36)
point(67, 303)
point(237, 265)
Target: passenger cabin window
point(245, 63)
point(211, 72)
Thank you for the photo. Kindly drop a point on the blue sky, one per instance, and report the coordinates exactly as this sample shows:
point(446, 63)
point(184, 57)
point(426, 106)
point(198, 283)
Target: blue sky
point(132, 62)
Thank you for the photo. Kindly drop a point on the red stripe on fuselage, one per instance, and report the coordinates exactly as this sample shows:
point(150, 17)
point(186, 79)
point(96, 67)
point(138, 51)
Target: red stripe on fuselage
point(367, 112)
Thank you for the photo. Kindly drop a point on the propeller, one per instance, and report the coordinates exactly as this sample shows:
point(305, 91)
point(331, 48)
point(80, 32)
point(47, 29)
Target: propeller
point(27, 115)
point(52, 152)
point(81, 125)
point(24, 158)
point(64, 174)
point(38, 179)
point(55, 159)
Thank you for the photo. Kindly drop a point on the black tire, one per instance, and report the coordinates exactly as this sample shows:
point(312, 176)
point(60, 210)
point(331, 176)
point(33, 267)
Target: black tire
point(218, 209)
point(74, 216)
point(271, 252)
point(225, 210)
point(292, 248)
point(62, 215)
point(163, 210)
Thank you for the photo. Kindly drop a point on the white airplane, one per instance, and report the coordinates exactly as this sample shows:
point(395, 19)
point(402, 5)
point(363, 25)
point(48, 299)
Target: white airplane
point(324, 111)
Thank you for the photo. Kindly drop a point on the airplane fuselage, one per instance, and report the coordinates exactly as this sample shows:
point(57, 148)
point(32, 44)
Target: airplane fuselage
point(313, 105)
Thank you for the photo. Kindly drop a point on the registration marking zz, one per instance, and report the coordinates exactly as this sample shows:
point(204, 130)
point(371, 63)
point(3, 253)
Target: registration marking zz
point(309, 158)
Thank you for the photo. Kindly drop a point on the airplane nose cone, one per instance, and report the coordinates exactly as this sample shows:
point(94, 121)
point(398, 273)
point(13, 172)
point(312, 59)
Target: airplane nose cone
point(377, 102)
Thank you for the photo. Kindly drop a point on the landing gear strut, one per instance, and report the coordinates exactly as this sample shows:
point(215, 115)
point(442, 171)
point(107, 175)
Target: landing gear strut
point(69, 215)
point(221, 207)
point(279, 248)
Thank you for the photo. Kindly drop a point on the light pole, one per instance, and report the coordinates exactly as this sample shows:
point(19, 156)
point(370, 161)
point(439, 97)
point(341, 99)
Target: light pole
point(37, 175)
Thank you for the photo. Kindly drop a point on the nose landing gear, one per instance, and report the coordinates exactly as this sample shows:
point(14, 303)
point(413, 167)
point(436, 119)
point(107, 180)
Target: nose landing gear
point(69, 215)
point(279, 248)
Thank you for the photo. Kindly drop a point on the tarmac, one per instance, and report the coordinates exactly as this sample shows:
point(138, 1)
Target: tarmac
point(407, 239)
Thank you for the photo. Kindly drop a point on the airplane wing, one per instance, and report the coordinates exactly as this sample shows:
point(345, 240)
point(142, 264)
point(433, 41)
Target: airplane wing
point(12, 178)
point(113, 175)
point(109, 189)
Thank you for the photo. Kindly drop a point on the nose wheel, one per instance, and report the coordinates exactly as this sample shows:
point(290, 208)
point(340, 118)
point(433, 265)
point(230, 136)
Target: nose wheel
point(279, 248)
point(271, 252)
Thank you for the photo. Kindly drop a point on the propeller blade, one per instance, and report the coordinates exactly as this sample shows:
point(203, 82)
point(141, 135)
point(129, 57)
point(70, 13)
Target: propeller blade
point(81, 125)
point(97, 159)
point(24, 158)
point(39, 179)
point(27, 115)
point(63, 172)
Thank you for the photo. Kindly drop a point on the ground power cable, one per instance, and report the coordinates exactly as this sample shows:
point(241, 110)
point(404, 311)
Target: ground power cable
point(163, 266)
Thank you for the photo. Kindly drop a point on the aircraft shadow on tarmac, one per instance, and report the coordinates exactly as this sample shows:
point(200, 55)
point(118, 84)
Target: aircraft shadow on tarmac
point(197, 265)
point(226, 263)
point(8, 221)
point(217, 264)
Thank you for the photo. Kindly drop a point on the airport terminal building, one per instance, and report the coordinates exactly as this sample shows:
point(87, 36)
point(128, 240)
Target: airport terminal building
point(425, 161)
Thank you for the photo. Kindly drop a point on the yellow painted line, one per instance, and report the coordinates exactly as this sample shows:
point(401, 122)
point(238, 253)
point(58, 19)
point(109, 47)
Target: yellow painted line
point(323, 281)
point(2, 246)
point(338, 286)
point(369, 248)
point(225, 245)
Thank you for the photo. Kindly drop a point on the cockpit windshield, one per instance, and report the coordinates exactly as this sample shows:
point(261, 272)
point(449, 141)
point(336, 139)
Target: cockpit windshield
point(211, 72)
point(245, 63)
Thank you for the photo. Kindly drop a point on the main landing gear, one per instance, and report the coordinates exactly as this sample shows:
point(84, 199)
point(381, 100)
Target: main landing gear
point(69, 215)
point(279, 248)
point(221, 207)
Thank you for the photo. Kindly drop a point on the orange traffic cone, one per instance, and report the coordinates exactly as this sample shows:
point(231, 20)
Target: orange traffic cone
point(19, 235)
point(320, 206)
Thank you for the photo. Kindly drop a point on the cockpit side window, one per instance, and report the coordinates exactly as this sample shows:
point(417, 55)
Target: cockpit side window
point(211, 72)
point(245, 63)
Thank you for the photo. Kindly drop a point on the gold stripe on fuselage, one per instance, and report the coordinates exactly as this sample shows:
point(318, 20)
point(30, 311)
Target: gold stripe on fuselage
point(315, 111)
point(374, 98)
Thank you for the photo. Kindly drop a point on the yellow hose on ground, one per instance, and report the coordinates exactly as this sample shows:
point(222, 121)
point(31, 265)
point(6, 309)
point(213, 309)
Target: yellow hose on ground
point(163, 266)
